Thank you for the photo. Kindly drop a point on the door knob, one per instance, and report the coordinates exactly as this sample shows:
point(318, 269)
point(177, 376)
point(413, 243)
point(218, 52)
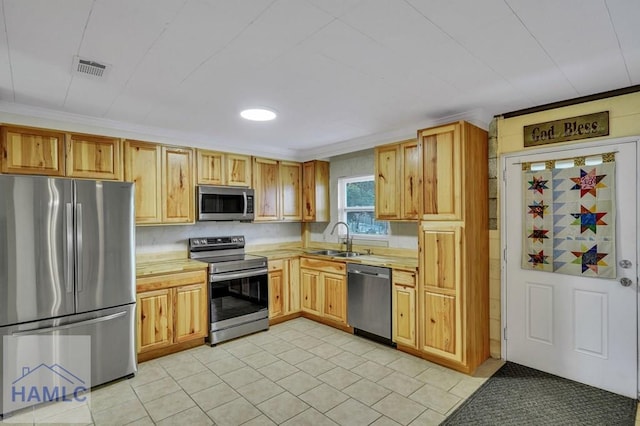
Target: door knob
point(626, 282)
point(625, 264)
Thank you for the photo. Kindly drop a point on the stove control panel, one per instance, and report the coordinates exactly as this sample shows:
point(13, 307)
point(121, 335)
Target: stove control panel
point(212, 243)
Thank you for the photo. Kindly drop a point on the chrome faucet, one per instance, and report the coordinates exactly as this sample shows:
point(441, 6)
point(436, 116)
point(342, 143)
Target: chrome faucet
point(349, 241)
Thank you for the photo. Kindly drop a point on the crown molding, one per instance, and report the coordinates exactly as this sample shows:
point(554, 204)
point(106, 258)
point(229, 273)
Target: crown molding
point(26, 115)
point(478, 117)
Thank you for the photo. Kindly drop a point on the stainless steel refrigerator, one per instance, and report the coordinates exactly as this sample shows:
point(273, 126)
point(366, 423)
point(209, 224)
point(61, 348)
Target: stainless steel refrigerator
point(67, 266)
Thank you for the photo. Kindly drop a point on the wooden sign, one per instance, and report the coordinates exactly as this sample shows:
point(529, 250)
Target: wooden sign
point(567, 129)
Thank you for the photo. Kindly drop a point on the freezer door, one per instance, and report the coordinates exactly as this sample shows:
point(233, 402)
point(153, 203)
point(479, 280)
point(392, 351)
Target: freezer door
point(113, 343)
point(36, 248)
point(105, 244)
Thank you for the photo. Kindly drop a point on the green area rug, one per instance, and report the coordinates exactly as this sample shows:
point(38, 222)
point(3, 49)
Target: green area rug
point(519, 395)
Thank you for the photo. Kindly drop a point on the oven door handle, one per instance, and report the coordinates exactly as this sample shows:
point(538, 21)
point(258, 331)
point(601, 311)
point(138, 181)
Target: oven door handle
point(214, 278)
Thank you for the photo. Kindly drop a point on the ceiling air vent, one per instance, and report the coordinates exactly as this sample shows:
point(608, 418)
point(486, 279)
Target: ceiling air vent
point(89, 68)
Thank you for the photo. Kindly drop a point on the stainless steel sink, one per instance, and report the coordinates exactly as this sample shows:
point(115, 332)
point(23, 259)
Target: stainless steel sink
point(326, 252)
point(347, 254)
point(336, 253)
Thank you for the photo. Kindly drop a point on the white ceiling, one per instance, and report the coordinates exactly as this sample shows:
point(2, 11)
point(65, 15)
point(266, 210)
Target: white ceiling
point(343, 74)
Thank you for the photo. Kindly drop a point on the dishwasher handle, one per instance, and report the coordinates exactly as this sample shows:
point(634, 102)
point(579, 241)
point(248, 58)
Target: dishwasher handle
point(370, 273)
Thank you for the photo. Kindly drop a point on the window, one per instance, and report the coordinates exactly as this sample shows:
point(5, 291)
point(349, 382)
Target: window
point(356, 201)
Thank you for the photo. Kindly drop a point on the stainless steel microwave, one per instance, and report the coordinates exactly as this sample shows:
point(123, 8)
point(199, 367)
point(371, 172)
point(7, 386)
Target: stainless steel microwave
point(224, 203)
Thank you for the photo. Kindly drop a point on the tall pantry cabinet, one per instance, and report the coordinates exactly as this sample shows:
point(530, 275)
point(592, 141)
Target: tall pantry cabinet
point(453, 289)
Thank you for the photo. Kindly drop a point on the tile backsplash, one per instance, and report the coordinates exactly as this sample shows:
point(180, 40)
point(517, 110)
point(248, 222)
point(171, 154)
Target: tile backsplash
point(156, 239)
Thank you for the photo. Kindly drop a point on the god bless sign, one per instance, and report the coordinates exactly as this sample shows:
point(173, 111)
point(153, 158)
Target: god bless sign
point(567, 129)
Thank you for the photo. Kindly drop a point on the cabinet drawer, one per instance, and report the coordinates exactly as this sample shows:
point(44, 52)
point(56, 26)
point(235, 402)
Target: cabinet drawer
point(324, 265)
point(276, 265)
point(170, 280)
point(404, 278)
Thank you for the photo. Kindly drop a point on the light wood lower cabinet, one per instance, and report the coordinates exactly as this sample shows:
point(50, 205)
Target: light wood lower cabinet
point(324, 289)
point(172, 310)
point(284, 287)
point(404, 308)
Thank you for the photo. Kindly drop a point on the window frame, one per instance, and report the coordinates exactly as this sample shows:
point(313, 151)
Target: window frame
point(343, 209)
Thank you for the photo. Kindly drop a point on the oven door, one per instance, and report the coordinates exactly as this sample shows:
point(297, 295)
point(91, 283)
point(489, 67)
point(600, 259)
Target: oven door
point(237, 296)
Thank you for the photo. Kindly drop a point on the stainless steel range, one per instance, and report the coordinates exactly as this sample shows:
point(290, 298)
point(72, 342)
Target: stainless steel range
point(238, 287)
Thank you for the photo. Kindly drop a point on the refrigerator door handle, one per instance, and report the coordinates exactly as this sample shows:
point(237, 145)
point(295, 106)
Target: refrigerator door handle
point(72, 325)
point(79, 277)
point(69, 250)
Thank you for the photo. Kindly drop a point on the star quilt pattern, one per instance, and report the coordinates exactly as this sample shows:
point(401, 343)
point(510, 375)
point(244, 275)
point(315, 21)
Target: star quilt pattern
point(569, 220)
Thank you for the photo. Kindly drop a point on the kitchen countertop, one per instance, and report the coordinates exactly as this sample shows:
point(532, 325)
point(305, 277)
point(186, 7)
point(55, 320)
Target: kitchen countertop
point(396, 262)
point(168, 266)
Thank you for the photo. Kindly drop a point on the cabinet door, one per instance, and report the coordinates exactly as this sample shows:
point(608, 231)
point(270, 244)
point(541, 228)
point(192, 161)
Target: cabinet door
point(155, 319)
point(442, 169)
point(276, 293)
point(177, 185)
point(94, 157)
point(210, 165)
point(441, 289)
point(191, 314)
point(238, 170)
point(411, 159)
point(266, 183)
point(311, 291)
point(291, 191)
point(32, 151)
point(294, 286)
point(388, 182)
point(315, 191)
point(404, 315)
point(335, 297)
point(142, 165)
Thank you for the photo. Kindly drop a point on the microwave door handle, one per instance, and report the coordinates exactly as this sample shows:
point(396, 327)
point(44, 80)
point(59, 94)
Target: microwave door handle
point(244, 196)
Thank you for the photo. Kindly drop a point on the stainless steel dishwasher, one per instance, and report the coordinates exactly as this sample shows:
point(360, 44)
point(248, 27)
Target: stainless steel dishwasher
point(369, 301)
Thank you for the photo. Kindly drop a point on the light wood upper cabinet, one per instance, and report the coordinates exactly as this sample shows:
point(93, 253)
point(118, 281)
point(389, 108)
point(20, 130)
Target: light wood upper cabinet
point(290, 191)
point(404, 308)
point(278, 190)
point(164, 182)
point(442, 166)
point(388, 181)
point(398, 178)
point(411, 190)
point(315, 191)
point(238, 170)
point(46, 152)
point(94, 157)
point(32, 151)
point(210, 165)
point(221, 168)
point(266, 184)
point(177, 185)
point(143, 166)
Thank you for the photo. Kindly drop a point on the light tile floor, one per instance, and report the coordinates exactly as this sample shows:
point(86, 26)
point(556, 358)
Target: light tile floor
point(297, 373)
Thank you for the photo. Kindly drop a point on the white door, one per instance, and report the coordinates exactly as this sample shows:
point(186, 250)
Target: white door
point(581, 328)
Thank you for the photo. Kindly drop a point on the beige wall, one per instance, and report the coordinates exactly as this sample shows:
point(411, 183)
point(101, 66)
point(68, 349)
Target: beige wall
point(624, 120)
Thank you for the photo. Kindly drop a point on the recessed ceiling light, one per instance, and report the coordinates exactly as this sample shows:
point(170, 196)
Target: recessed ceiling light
point(258, 114)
